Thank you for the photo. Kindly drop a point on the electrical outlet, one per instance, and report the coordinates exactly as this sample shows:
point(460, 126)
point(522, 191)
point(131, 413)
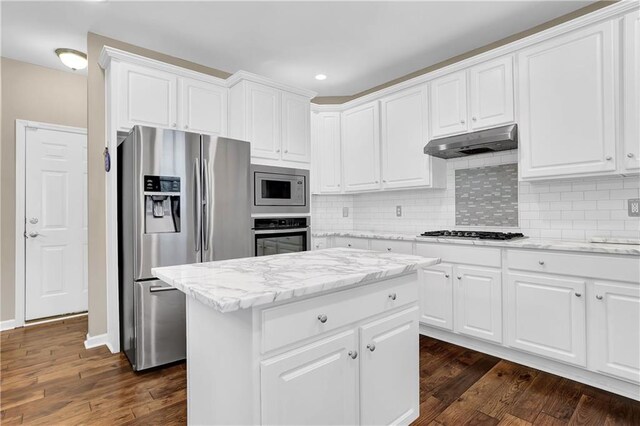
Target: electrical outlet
point(634, 207)
point(345, 212)
point(398, 211)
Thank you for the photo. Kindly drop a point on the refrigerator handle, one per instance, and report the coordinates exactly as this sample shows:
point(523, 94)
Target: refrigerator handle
point(197, 198)
point(206, 208)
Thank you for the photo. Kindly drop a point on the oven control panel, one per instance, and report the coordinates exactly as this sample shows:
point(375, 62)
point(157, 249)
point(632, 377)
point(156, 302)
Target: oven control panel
point(280, 223)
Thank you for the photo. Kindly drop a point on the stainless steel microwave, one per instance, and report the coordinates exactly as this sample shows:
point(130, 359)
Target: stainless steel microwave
point(279, 190)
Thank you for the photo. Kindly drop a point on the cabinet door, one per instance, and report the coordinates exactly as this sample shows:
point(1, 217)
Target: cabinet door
point(449, 105)
point(361, 147)
point(329, 166)
point(567, 104)
point(546, 316)
point(404, 134)
point(147, 97)
point(389, 369)
point(614, 320)
point(478, 298)
point(204, 107)
point(436, 296)
point(315, 384)
point(263, 115)
point(296, 131)
point(491, 93)
point(358, 243)
point(631, 92)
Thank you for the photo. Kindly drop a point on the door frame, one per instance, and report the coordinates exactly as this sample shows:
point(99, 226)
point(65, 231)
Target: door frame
point(22, 126)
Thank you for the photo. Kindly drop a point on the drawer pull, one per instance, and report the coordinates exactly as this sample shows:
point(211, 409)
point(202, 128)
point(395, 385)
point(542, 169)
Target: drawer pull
point(322, 318)
point(371, 347)
point(349, 245)
point(392, 296)
point(459, 277)
point(541, 262)
point(446, 275)
point(578, 294)
point(598, 297)
point(388, 248)
point(353, 354)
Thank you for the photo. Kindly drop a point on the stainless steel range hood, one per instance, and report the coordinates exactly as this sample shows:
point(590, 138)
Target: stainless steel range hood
point(480, 142)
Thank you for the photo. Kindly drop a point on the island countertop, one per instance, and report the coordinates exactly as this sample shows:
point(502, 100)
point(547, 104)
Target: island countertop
point(229, 285)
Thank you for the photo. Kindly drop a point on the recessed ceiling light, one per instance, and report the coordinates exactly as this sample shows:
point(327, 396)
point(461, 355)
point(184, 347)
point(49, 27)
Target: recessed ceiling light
point(73, 59)
point(321, 77)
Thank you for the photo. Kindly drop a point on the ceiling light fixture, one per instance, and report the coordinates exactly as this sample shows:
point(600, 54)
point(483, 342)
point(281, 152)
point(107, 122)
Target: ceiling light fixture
point(321, 77)
point(73, 59)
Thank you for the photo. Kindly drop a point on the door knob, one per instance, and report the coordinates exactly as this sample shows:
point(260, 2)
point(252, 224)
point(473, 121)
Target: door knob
point(446, 275)
point(286, 151)
point(474, 119)
point(322, 318)
point(541, 262)
point(33, 220)
point(461, 121)
point(630, 155)
point(578, 294)
point(33, 234)
point(353, 354)
point(371, 347)
point(609, 158)
point(598, 297)
point(393, 296)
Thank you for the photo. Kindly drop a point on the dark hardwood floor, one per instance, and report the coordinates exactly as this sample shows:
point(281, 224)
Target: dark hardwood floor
point(49, 378)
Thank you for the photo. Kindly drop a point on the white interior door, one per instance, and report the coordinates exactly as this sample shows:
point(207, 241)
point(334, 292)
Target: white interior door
point(55, 223)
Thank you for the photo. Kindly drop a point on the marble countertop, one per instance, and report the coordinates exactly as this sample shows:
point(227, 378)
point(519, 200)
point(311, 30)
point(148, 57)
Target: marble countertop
point(523, 243)
point(229, 285)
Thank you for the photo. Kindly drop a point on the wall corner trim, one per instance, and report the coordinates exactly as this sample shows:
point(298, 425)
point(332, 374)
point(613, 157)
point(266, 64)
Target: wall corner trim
point(99, 340)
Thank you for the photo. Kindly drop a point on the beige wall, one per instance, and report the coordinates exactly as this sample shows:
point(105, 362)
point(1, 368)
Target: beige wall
point(30, 92)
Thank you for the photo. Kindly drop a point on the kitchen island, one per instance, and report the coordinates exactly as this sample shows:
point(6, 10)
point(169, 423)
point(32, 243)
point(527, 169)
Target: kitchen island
point(320, 337)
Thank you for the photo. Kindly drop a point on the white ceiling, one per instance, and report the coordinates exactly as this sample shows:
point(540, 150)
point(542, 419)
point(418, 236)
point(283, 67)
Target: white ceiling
point(358, 45)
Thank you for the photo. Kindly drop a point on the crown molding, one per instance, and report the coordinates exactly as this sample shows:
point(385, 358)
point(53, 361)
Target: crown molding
point(255, 78)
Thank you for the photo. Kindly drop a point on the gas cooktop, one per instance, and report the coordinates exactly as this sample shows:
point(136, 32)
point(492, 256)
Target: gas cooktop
point(475, 235)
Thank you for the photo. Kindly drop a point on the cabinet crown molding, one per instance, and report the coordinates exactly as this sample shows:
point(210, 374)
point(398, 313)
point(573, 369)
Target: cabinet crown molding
point(247, 76)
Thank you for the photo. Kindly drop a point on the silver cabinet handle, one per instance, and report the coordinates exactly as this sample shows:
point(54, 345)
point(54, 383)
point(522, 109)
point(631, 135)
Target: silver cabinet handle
point(371, 347)
point(317, 245)
point(322, 318)
point(446, 275)
point(33, 234)
point(630, 155)
point(461, 121)
point(541, 262)
point(393, 296)
point(353, 354)
point(599, 297)
point(348, 245)
point(277, 150)
point(459, 277)
point(197, 211)
point(474, 119)
point(159, 288)
point(388, 248)
point(608, 158)
point(578, 294)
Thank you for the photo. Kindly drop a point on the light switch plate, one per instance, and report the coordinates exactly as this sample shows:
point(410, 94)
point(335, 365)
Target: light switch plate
point(345, 212)
point(398, 211)
point(634, 207)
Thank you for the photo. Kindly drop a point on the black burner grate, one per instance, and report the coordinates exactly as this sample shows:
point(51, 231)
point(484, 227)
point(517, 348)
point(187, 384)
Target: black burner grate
point(476, 235)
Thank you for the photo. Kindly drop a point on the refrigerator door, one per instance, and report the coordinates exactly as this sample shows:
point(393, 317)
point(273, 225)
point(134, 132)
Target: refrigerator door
point(166, 187)
point(160, 324)
point(226, 210)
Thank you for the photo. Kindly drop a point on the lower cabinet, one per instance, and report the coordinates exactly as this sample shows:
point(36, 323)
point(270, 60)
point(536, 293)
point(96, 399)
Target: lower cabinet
point(436, 296)
point(359, 243)
point(615, 329)
point(478, 302)
point(318, 382)
point(389, 369)
point(546, 316)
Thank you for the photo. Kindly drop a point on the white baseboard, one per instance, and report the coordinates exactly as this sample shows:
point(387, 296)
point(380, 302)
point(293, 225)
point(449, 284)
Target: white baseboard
point(7, 325)
point(99, 340)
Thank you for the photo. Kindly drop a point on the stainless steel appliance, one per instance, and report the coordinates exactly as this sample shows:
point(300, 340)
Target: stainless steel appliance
point(279, 190)
point(182, 198)
point(281, 235)
point(488, 140)
point(475, 235)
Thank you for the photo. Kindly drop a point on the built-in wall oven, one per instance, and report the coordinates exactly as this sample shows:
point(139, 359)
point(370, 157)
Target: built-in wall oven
point(279, 190)
point(281, 235)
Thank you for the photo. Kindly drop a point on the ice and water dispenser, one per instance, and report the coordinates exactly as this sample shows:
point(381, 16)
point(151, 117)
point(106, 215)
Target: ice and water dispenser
point(162, 204)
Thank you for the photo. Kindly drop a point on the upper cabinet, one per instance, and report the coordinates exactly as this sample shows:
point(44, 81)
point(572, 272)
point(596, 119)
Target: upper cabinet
point(361, 147)
point(276, 121)
point(327, 158)
point(567, 104)
point(404, 134)
point(631, 93)
point(151, 97)
point(472, 99)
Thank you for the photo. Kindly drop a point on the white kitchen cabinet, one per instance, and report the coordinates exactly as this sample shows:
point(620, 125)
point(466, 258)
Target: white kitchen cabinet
point(631, 93)
point(315, 383)
point(449, 105)
point(614, 329)
point(395, 246)
point(361, 147)
point(389, 369)
point(263, 121)
point(491, 93)
point(359, 243)
point(478, 302)
point(567, 104)
point(546, 316)
point(147, 97)
point(327, 159)
point(296, 145)
point(204, 107)
point(404, 134)
point(436, 296)
point(318, 243)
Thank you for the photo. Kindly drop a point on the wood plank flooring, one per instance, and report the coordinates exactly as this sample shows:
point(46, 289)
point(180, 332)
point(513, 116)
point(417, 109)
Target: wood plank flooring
point(49, 378)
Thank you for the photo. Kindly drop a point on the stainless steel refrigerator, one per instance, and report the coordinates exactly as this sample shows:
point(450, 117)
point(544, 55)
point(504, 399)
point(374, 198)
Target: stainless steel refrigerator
point(182, 198)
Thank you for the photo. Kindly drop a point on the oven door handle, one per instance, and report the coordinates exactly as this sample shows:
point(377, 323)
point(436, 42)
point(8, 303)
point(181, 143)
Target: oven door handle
point(280, 231)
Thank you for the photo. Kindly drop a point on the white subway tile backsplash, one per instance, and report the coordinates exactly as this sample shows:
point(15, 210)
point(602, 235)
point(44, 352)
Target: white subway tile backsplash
point(579, 209)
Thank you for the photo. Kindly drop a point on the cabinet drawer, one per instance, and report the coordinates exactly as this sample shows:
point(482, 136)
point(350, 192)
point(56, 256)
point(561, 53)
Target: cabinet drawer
point(458, 253)
point(405, 247)
point(297, 321)
point(590, 266)
point(318, 243)
point(359, 243)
